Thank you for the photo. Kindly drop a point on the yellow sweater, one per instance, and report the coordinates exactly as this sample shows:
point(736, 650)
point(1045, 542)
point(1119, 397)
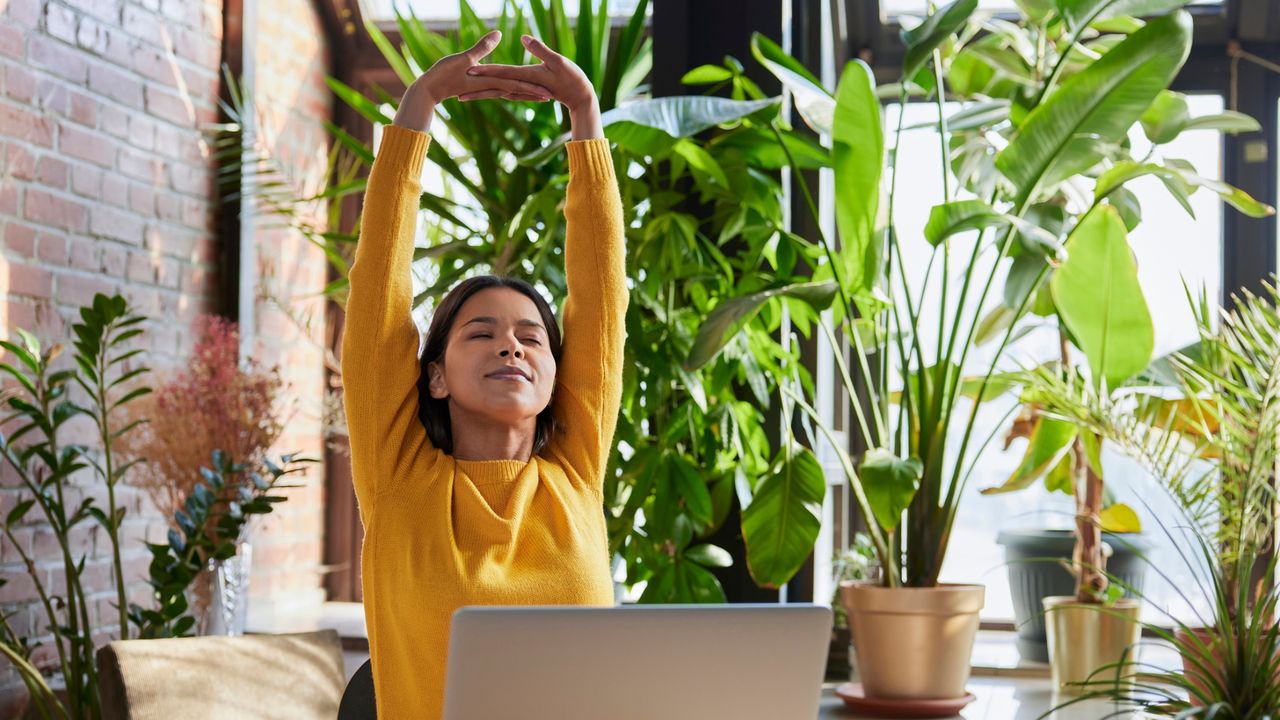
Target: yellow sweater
point(441, 533)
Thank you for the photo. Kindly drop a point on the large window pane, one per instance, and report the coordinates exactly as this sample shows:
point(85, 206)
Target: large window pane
point(1171, 247)
point(890, 8)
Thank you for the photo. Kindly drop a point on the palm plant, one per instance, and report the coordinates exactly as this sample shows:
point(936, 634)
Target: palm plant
point(705, 222)
point(1214, 445)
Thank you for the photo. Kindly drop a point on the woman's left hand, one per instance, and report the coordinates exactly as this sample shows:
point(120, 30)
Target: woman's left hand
point(565, 80)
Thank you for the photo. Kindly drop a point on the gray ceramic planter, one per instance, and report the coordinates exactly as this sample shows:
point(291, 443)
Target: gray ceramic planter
point(1031, 580)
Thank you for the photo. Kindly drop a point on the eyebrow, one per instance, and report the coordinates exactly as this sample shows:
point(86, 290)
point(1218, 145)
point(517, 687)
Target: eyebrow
point(486, 320)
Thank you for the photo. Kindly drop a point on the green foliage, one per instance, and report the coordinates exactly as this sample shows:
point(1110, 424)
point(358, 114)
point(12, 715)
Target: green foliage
point(40, 408)
point(206, 530)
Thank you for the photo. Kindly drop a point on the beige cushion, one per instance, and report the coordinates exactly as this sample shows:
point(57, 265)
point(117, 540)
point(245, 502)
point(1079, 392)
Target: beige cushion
point(293, 677)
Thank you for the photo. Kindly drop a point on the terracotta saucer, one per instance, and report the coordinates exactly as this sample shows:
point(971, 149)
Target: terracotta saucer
point(856, 700)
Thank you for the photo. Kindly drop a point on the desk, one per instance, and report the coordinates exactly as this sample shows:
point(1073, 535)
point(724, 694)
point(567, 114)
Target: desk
point(999, 698)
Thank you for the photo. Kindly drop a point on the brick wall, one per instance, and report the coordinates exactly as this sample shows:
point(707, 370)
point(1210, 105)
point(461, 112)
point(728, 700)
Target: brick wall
point(106, 185)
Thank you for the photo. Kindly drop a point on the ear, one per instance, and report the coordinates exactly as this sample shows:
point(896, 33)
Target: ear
point(435, 381)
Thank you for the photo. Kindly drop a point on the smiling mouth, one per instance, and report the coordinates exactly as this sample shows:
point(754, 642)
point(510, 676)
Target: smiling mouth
point(514, 374)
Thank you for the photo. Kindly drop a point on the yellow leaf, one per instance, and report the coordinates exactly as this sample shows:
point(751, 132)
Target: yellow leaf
point(1120, 518)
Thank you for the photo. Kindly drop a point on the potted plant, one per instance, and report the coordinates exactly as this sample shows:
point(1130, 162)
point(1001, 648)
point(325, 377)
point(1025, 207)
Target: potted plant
point(1214, 446)
point(913, 428)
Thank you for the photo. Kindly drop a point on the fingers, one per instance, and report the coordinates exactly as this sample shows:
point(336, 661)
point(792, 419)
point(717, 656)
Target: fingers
point(492, 93)
point(483, 46)
point(539, 49)
point(522, 87)
point(527, 73)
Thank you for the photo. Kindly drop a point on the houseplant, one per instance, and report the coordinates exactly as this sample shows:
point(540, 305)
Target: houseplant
point(704, 217)
point(1214, 445)
point(95, 387)
point(1007, 155)
point(214, 403)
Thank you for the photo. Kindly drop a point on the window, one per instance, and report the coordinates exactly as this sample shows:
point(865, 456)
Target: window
point(1171, 247)
point(382, 10)
point(893, 8)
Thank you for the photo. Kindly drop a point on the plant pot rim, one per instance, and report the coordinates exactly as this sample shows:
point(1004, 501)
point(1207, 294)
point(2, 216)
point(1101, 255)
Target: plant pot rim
point(1069, 601)
point(942, 587)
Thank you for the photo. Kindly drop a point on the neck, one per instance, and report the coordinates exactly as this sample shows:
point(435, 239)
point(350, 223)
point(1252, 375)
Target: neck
point(480, 438)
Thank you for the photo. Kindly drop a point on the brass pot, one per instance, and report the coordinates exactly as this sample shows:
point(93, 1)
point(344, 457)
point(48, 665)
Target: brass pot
point(1084, 638)
point(913, 642)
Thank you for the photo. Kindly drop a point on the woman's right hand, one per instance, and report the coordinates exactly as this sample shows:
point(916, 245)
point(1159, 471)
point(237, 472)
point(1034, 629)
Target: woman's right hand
point(448, 78)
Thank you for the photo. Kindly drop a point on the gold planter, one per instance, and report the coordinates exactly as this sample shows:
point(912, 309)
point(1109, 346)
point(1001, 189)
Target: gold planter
point(1084, 638)
point(913, 642)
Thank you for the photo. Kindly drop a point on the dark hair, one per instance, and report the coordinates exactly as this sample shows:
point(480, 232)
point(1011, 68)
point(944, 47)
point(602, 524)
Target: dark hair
point(433, 412)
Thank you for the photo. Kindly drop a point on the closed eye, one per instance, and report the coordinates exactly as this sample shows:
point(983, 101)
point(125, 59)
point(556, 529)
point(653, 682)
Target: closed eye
point(533, 340)
point(481, 335)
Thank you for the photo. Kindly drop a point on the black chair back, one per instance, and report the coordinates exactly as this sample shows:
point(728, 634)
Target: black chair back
point(357, 699)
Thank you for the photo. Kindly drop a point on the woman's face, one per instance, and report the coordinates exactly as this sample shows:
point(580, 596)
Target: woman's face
point(497, 361)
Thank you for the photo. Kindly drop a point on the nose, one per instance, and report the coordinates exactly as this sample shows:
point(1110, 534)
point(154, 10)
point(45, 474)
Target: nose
point(513, 348)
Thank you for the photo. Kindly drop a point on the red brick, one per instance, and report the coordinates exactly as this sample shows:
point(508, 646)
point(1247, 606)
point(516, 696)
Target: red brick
point(86, 180)
point(20, 84)
point(20, 239)
point(52, 172)
point(57, 58)
point(85, 145)
point(12, 42)
point(141, 24)
point(115, 191)
point(83, 253)
point(18, 586)
point(54, 210)
point(19, 163)
point(169, 273)
point(112, 223)
point(141, 268)
point(104, 41)
point(114, 121)
point(142, 132)
point(153, 63)
point(24, 12)
point(78, 290)
point(169, 106)
point(142, 199)
point(168, 206)
point(30, 281)
point(52, 248)
point(108, 10)
point(195, 213)
point(19, 123)
point(60, 22)
point(114, 259)
point(84, 109)
point(189, 180)
point(8, 197)
point(141, 165)
point(116, 85)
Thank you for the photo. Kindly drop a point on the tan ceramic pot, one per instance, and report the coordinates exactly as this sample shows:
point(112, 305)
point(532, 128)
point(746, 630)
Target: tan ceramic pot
point(913, 642)
point(1083, 638)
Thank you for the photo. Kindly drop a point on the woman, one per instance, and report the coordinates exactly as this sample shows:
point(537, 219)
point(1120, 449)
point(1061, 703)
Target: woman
point(479, 468)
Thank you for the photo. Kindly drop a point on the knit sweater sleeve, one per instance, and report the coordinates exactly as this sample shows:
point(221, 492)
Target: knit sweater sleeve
point(589, 378)
point(380, 339)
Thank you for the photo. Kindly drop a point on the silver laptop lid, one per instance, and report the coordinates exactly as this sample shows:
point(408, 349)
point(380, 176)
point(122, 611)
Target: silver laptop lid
point(641, 662)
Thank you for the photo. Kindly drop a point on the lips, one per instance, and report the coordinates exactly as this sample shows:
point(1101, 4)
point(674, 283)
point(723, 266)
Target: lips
point(510, 372)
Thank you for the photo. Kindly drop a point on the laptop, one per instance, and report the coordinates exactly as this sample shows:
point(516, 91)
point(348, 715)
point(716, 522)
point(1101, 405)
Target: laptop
point(637, 662)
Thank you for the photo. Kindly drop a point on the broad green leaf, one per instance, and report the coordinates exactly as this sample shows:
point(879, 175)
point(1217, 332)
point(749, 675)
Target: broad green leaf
point(709, 555)
point(1100, 300)
point(1036, 10)
point(889, 483)
point(1080, 13)
point(1179, 174)
point(361, 104)
point(1066, 134)
point(812, 101)
point(994, 324)
point(1227, 121)
point(701, 161)
point(926, 37)
point(1061, 477)
point(706, 75)
point(692, 489)
point(667, 118)
point(1050, 441)
point(962, 215)
point(1119, 518)
point(782, 522)
point(731, 315)
point(1166, 118)
point(858, 159)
